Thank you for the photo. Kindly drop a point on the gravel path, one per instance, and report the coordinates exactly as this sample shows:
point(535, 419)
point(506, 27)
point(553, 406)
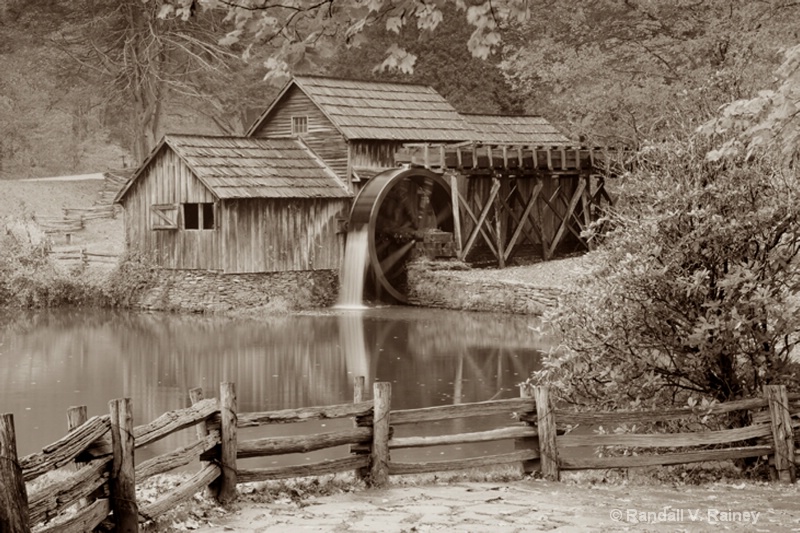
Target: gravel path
point(523, 506)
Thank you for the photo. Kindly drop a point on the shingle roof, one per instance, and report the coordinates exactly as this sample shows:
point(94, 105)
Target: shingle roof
point(249, 167)
point(509, 129)
point(384, 110)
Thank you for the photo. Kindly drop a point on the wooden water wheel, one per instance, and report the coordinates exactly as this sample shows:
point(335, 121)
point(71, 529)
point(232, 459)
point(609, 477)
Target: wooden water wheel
point(400, 208)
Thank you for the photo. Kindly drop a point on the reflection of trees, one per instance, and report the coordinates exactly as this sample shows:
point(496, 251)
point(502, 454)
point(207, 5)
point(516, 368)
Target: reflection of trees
point(90, 357)
point(438, 357)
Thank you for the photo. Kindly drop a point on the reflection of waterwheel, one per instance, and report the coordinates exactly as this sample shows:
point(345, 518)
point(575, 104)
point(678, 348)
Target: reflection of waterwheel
point(399, 207)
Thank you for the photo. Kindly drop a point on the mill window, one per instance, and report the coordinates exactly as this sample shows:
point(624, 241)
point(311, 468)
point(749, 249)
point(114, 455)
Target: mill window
point(198, 216)
point(299, 125)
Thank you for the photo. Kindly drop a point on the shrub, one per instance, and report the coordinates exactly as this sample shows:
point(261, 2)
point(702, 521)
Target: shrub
point(694, 293)
point(135, 273)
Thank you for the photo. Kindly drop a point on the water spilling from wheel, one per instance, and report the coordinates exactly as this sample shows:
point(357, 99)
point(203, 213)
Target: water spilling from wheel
point(354, 269)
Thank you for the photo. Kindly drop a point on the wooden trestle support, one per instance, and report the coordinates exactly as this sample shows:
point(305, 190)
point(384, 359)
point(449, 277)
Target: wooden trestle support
point(510, 195)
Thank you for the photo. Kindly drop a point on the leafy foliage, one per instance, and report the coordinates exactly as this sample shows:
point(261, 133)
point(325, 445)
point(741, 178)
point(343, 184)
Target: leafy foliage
point(626, 73)
point(28, 278)
point(298, 29)
point(442, 61)
point(696, 289)
point(770, 121)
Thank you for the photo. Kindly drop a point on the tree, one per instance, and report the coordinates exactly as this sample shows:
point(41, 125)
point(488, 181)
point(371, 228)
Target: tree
point(443, 62)
point(152, 62)
point(696, 292)
point(625, 73)
point(296, 30)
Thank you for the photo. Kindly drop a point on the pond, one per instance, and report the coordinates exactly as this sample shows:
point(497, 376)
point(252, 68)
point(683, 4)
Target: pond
point(50, 360)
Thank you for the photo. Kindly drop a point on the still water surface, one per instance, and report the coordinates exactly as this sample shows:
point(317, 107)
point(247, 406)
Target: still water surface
point(50, 360)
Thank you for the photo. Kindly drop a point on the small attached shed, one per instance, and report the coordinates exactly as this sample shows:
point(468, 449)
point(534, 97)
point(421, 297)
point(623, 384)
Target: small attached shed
point(235, 205)
point(355, 126)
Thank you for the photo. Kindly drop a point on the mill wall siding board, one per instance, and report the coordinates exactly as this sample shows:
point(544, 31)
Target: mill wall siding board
point(167, 180)
point(279, 235)
point(322, 136)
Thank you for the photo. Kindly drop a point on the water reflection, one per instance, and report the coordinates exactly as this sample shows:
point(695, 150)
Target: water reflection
point(51, 360)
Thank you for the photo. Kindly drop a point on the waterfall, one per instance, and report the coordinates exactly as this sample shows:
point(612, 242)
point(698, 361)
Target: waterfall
point(354, 270)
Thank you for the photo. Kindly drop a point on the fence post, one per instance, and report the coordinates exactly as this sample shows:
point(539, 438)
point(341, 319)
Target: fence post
point(782, 434)
point(359, 449)
point(122, 481)
point(13, 496)
point(76, 416)
point(379, 455)
point(224, 487)
point(546, 426)
point(528, 443)
point(196, 395)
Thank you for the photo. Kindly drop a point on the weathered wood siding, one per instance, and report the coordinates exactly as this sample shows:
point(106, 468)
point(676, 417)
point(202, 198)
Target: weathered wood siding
point(322, 136)
point(270, 235)
point(374, 153)
point(167, 180)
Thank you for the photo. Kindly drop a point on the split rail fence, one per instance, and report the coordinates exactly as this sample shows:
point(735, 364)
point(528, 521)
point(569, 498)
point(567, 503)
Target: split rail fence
point(103, 486)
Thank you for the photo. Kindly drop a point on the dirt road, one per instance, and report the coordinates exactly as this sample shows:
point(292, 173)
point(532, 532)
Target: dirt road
point(522, 506)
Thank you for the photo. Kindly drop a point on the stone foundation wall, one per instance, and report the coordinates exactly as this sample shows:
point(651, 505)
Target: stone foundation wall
point(204, 291)
point(456, 290)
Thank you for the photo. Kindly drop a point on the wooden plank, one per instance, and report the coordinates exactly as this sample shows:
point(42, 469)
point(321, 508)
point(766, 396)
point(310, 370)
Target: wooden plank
point(305, 413)
point(665, 440)
point(379, 453)
point(64, 450)
point(173, 421)
point(486, 237)
point(565, 221)
point(123, 481)
point(499, 231)
point(177, 458)
point(183, 492)
point(456, 213)
point(333, 466)
point(224, 488)
point(358, 396)
point(782, 434)
point(584, 463)
point(86, 519)
point(302, 443)
point(612, 419)
point(464, 410)
point(530, 444)
point(537, 189)
point(463, 438)
point(546, 425)
point(482, 219)
point(13, 496)
point(55, 497)
point(461, 464)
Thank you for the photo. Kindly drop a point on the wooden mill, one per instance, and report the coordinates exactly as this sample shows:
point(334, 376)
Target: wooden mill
point(473, 200)
point(394, 158)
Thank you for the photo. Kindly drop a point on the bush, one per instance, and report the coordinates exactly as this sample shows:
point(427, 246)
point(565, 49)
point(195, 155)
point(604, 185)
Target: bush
point(694, 293)
point(27, 276)
point(134, 275)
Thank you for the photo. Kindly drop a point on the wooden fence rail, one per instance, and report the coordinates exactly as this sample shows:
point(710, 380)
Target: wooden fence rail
point(103, 486)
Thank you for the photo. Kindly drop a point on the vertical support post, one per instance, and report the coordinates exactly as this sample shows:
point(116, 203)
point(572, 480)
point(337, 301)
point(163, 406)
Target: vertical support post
point(782, 434)
point(77, 416)
point(528, 443)
point(358, 449)
point(224, 487)
point(456, 211)
point(546, 425)
point(13, 496)
point(122, 481)
point(500, 227)
point(196, 395)
point(379, 455)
